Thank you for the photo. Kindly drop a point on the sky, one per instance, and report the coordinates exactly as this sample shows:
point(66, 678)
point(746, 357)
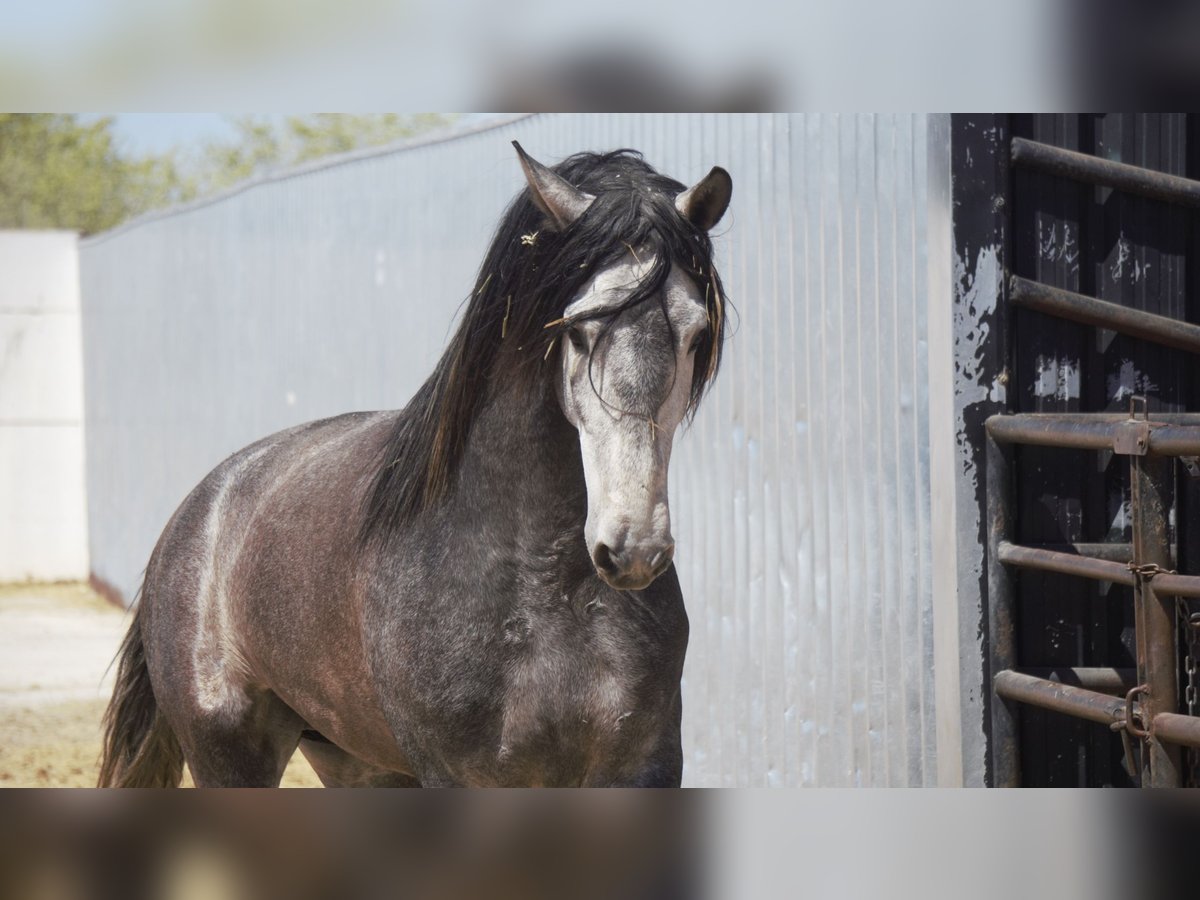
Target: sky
point(144, 133)
point(147, 133)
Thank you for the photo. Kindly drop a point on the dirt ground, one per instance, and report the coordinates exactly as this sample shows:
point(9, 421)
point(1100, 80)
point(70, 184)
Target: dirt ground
point(56, 642)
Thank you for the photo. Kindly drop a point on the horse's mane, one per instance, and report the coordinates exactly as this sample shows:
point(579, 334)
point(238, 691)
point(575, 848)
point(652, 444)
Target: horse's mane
point(514, 317)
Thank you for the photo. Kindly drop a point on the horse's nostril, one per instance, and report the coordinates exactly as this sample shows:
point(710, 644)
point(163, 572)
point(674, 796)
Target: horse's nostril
point(603, 558)
point(661, 560)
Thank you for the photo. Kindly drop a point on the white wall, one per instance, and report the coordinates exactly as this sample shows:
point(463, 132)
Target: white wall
point(43, 514)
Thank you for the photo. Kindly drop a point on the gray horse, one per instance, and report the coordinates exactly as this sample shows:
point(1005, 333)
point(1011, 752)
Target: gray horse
point(478, 589)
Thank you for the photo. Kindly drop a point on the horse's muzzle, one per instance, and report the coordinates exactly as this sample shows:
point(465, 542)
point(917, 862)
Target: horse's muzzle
point(632, 568)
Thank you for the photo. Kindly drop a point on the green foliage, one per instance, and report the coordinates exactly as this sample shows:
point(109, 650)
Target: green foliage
point(57, 171)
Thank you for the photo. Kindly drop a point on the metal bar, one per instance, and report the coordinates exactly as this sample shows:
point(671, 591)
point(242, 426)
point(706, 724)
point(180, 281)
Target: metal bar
point(1121, 553)
point(1171, 585)
point(1103, 314)
point(1048, 430)
point(1002, 641)
point(1154, 614)
point(1065, 564)
point(1093, 678)
point(1081, 432)
point(1175, 440)
point(1105, 172)
point(1063, 698)
point(1114, 418)
point(1178, 729)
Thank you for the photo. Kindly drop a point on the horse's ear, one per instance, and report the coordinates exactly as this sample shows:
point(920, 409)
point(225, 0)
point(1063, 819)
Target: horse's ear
point(559, 200)
point(705, 202)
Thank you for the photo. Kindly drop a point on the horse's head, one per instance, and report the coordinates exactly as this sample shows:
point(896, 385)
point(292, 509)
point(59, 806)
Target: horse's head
point(627, 377)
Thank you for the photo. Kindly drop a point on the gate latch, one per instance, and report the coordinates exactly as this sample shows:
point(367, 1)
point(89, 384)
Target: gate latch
point(1132, 437)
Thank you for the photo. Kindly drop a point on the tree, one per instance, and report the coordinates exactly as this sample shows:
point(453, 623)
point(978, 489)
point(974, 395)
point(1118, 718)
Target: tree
point(57, 171)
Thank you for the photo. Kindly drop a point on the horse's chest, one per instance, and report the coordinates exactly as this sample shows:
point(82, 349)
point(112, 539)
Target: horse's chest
point(553, 693)
point(574, 709)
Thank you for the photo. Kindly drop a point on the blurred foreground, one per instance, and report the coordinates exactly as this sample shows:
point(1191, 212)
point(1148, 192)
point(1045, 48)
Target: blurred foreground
point(56, 642)
point(256, 844)
point(841, 844)
point(541, 56)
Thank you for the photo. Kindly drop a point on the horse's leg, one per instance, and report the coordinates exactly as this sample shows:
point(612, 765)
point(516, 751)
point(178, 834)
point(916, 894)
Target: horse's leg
point(337, 768)
point(246, 742)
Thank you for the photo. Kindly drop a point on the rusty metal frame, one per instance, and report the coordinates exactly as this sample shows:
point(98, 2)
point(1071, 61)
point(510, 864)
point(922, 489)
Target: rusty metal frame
point(1105, 172)
point(1104, 679)
point(1141, 704)
point(1154, 718)
point(1167, 435)
point(1082, 703)
point(1104, 314)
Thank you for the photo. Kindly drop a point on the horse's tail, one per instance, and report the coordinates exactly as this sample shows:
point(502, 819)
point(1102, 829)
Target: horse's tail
point(140, 749)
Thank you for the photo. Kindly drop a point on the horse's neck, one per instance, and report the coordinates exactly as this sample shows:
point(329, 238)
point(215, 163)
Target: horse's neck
point(522, 465)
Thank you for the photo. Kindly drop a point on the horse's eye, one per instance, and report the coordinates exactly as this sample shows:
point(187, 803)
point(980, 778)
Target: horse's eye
point(696, 342)
point(575, 336)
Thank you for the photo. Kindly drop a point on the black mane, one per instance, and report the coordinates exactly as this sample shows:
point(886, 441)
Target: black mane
point(514, 316)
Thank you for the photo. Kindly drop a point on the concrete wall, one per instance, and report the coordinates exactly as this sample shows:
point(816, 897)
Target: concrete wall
point(43, 517)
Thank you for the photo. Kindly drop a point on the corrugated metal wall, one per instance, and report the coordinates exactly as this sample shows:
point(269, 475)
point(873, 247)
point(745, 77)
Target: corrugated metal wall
point(800, 495)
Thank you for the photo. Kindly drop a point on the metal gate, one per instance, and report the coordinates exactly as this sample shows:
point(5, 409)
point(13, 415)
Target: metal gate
point(1091, 497)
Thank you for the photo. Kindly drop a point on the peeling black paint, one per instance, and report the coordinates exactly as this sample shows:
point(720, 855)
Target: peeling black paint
point(979, 169)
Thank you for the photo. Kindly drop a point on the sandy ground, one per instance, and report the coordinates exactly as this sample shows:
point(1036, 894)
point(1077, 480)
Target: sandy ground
point(56, 642)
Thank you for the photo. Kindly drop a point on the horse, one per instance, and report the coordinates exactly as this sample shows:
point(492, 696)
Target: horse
point(479, 589)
